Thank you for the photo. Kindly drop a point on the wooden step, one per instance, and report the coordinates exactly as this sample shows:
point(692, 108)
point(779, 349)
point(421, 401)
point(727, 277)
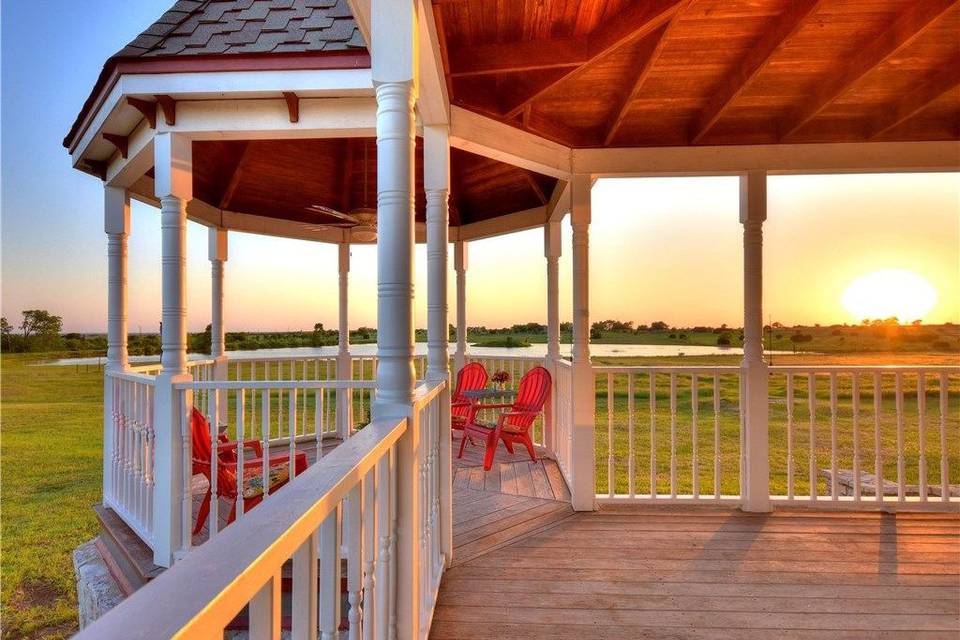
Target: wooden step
point(129, 559)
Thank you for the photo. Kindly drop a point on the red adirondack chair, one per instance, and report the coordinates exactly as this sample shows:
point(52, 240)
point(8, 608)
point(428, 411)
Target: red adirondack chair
point(513, 426)
point(472, 377)
point(227, 469)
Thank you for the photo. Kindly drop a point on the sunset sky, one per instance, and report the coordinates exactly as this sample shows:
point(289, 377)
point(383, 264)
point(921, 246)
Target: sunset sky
point(662, 249)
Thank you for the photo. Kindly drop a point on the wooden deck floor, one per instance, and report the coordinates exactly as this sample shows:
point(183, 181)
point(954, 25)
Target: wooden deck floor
point(526, 566)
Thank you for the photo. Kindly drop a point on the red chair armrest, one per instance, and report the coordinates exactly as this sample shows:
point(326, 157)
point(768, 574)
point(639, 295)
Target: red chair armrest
point(251, 444)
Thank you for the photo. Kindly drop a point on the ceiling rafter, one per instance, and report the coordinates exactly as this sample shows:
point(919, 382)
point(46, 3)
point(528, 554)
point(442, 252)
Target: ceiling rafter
point(346, 176)
point(636, 21)
point(648, 55)
point(541, 196)
point(231, 189)
point(917, 98)
point(901, 32)
point(516, 57)
point(758, 57)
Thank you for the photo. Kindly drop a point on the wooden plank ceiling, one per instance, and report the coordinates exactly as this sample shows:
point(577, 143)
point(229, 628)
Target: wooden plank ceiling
point(614, 73)
point(284, 178)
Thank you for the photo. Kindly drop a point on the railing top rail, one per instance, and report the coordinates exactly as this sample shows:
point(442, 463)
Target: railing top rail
point(427, 391)
point(888, 368)
point(668, 369)
point(131, 376)
point(263, 385)
point(475, 356)
point(198, 596)
point(200, 362)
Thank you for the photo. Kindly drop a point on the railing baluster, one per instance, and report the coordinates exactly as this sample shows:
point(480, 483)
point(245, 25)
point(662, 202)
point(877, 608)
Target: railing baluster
point(855, 393)
point(265, 611)
point(812, 408)
point(673, 435)
point(611, 484)
point(631, 446)
point(790, 470)
point(214, 519)
point(877, 443)
point(241, 435)
point(292, 430)
point(381, 581)
point(716, 437)
point(354, 562)
point(901, 471)
point(265, 438)
point(694, 408)
point(369, 552)
point(944, 463)
point(303, 598)
point(834, 481)
point(330, 575)
point(653, 434)
point(186, 513)
point(318, 422)
point(922, 434)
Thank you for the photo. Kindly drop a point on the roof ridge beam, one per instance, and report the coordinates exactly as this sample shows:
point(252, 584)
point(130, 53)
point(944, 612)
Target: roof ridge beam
point(901, 32)
point(757, 59)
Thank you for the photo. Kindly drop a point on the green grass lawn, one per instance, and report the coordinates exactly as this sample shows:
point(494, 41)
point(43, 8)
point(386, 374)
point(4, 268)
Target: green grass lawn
point(50, 451)
point(52, 436)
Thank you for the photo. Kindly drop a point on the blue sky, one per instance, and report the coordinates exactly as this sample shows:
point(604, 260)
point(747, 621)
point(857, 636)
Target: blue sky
point(661, 248)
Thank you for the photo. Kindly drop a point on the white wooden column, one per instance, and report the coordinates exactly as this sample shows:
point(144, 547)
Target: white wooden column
point(755, 483)
point(436, 183)
point(344, 361)
point(552, 250)
point(394, 70)
point(583, 467)
point(173, 184)
point(116, 222)
point(217, 240)
point(460, 259)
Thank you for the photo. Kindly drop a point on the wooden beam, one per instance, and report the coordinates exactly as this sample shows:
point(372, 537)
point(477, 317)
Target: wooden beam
point(227, 196)
point(916, 99)
point(517, 57)
point(647, 56)
point(559, 201)
point(147, 108)
point(636, 21)
point(169, 106)
point(293, 105)
point(902, 31)
point(757, 59)
point(551, 129)
point(347, 174)
point(117, 140)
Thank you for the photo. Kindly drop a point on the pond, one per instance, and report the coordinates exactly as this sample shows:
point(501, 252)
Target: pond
point(534, 350)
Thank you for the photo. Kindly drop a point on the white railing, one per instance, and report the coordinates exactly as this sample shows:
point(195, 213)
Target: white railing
point(266, 411)
point(563, 418)
point(431, 424)
point(668, 433)
point(128, 446)
point(242, 571)
point(515, 366)
point(838, 434)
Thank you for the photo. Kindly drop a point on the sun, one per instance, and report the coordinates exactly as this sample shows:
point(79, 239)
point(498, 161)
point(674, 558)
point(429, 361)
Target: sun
point(890, 293)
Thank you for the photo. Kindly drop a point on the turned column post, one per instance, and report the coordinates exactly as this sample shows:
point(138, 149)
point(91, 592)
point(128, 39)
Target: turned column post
point(583, 463)
point(552, 250)
point(460, 259)
point(755, 480)
point(344, 360)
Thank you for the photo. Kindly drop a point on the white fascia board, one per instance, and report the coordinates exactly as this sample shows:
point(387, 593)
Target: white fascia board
point(836, 157)
point(502, 225)
point(306, 83)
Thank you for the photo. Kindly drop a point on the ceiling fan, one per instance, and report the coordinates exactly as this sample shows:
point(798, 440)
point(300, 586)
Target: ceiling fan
point(362, 220)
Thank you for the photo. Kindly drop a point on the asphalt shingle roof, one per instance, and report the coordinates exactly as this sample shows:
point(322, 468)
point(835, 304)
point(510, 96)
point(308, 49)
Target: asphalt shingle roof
point(241, 27)
point(204, 27)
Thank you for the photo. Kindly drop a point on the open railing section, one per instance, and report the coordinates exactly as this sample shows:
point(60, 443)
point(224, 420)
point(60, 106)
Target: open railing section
point(515, 367)
point(371, 516)
point(346, 503)
point(668, 433)
point(862, 435)
point(563, 418)
point(128, 446)
point(291, 417)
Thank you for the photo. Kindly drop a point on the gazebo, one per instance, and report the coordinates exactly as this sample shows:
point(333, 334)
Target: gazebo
point(404, 121)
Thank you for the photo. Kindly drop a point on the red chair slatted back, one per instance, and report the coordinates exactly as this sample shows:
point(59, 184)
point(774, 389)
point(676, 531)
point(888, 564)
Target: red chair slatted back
point(532, 394)
point(200, 436)
point(472, 377)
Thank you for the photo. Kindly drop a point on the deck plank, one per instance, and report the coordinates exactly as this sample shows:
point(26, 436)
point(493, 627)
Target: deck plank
point(684, 571)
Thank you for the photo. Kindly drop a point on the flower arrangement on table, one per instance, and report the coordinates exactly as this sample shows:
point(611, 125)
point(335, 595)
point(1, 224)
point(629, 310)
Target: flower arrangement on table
point(500, 378)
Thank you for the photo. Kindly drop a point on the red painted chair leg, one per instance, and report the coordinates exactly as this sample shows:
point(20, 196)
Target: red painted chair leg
point(202, 514)
point(508, 445)
point(463, 442)
point(491, 450)
point(528, 443)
